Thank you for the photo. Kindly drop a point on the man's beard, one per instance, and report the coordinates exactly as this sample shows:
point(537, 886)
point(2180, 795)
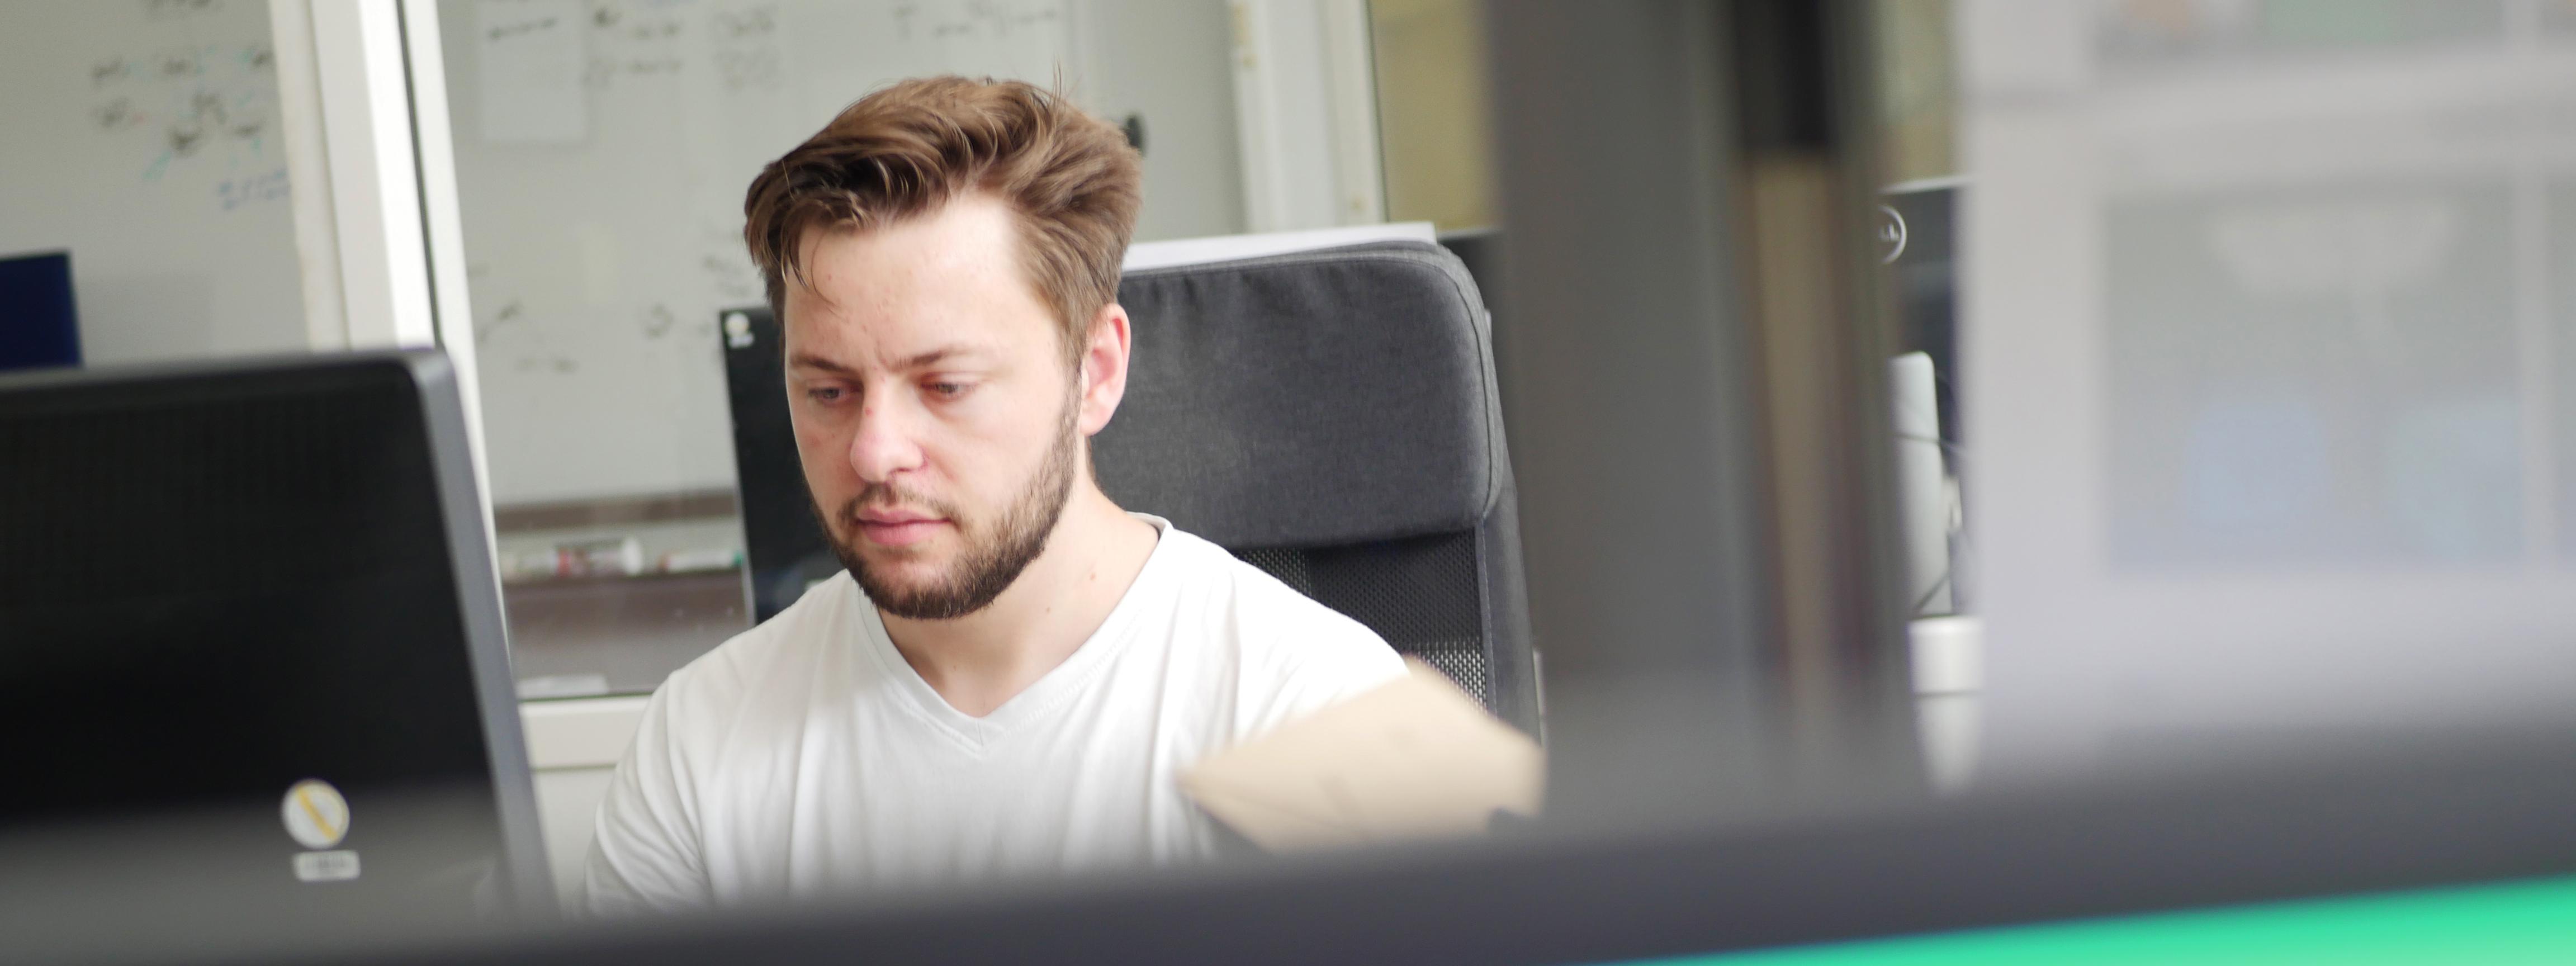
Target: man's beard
point(989, 562)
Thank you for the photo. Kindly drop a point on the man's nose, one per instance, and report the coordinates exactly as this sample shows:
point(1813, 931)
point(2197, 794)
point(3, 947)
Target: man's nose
point(884, 445)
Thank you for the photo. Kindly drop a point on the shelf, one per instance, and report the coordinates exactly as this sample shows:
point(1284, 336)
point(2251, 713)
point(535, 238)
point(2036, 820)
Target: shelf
point(593, 580)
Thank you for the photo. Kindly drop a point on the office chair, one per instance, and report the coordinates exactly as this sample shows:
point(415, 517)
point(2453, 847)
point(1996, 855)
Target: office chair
point(1330, 416)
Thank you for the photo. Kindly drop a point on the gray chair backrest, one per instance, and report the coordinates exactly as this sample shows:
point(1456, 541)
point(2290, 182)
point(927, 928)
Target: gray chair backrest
point(1331, 417)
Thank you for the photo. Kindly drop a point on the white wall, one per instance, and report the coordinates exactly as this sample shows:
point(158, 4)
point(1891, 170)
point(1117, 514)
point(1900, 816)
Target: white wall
point(1304, 88)
point(1172, 62)
point(143, 137)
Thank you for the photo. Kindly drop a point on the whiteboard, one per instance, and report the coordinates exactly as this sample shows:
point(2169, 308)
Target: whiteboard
point(602, 151)
point(142, 136)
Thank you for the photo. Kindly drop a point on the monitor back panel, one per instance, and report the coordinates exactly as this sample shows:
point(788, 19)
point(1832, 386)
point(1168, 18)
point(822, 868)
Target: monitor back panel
point(216, 586)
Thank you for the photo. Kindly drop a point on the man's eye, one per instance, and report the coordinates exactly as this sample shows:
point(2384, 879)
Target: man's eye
point(825, 394)
point(947, 390)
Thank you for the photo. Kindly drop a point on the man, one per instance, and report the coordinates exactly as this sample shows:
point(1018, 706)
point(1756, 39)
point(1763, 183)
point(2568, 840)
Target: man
point(1012, 669)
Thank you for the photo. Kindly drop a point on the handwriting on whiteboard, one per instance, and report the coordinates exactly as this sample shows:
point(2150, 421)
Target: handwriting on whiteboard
point(211, 104)
point(529, 56)
point(252, 189)
point(179, 9)
point(972, 19)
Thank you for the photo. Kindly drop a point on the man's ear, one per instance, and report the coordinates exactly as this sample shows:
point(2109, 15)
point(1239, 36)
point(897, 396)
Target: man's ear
point(1103, 368)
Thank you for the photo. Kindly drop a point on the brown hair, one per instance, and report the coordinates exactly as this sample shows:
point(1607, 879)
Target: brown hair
point(907, 149)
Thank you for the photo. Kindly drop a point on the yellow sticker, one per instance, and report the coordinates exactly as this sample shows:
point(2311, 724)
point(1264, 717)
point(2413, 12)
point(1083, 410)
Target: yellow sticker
point(315, 814)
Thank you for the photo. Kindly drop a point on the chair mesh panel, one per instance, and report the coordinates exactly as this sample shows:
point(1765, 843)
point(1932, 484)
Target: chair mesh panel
point(1420, 593)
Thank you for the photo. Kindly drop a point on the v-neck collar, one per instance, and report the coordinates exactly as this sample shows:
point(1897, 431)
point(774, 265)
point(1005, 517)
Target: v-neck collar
point(1049, 691)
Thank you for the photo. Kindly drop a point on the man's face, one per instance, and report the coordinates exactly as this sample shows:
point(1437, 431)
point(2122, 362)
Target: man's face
point(934, 411)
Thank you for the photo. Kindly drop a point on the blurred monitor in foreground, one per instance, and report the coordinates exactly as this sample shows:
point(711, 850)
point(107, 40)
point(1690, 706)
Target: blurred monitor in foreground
point(2444, 850)
point(252, 675)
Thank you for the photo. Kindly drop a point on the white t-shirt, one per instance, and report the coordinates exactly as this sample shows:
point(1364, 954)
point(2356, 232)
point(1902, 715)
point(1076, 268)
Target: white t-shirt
point(805, 757)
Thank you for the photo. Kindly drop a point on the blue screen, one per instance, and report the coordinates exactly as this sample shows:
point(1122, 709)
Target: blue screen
point(38, 328)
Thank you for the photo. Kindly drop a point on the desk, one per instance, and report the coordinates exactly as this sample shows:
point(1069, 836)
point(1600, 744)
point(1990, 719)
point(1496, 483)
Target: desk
point(573, 746)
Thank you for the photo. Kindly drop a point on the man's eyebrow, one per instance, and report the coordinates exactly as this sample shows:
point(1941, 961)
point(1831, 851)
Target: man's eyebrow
point(808, 360)
point(938, 355)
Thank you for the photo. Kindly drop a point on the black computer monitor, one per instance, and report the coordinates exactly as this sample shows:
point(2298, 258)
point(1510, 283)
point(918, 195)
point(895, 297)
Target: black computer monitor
point(252, 670)
point(784, 546)
point(1918, 231)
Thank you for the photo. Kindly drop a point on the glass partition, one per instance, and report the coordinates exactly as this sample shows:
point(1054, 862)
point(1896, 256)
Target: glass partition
point(602, 151)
